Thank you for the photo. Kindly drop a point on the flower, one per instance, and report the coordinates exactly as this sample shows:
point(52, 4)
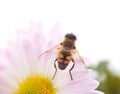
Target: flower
point(24, 71)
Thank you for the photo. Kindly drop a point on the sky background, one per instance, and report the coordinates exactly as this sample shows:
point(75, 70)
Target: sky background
point(96, 23)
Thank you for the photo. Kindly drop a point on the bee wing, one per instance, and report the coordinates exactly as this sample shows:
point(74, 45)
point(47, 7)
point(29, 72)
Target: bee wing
point(50, 53)
point(47, 51)
point(77, 57)
point(47, 60)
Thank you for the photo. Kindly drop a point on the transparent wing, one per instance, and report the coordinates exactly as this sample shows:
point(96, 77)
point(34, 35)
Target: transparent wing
point(77, 57)
point(80, 64)
point(50, 53)
point(47, 60)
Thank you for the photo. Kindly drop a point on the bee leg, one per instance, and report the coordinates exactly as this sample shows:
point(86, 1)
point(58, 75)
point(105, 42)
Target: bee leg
point(55, 69)
point(71, 70)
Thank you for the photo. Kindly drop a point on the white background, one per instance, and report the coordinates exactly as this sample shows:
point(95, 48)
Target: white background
point(95, 22)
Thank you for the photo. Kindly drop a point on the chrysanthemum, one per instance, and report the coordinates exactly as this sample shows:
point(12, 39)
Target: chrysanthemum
point(22, 71)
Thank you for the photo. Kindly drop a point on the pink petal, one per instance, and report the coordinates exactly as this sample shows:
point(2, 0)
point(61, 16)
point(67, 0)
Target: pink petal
point(35, 35)
point(56, 36)
point(81, 86)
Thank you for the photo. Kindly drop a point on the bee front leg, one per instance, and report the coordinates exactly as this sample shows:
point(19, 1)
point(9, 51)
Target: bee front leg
point(55, 69)
point(71, 70)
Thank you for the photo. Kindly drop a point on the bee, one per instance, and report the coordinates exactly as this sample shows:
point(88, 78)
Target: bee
point(65, 53)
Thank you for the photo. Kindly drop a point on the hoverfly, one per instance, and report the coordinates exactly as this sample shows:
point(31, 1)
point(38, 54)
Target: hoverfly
point(65, 53)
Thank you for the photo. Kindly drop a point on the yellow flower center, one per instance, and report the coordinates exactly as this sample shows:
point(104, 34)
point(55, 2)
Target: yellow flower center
point(37, 85)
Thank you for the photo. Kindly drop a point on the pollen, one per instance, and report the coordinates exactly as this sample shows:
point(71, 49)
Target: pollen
point(36, 85)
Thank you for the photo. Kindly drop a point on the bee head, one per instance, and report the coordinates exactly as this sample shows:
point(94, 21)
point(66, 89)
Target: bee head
point(70, 36)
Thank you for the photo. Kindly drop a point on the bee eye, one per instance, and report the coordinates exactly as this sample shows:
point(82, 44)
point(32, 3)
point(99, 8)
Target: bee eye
point(69, 57)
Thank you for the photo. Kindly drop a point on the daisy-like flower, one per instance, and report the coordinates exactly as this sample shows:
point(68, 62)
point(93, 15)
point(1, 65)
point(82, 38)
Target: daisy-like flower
point(24, 71)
